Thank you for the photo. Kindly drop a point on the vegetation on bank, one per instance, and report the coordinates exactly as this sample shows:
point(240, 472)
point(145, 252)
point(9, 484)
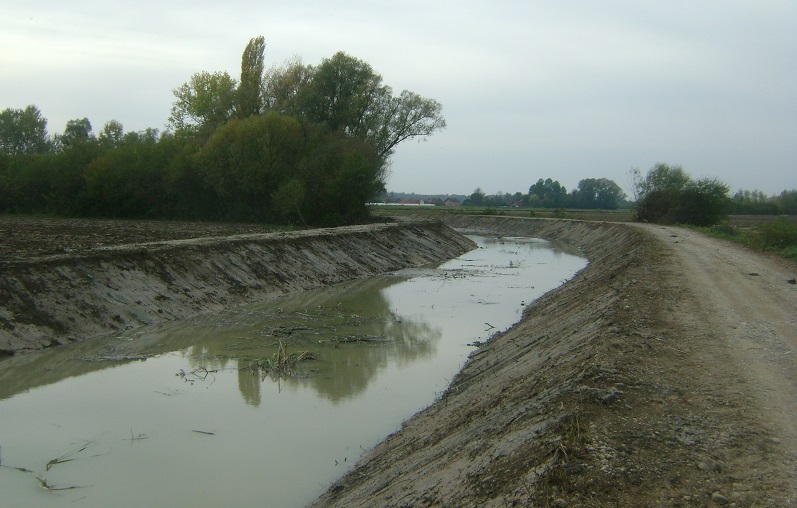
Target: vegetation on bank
point(296, 144)
point(300, 145)
point(778, 236)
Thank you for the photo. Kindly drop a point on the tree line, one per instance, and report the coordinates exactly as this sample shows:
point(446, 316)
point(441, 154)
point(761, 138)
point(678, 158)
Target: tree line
point(591, 193)
point(293, 144)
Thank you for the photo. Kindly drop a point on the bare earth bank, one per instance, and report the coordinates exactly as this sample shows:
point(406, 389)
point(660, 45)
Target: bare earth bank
point(663, 374)
point(62, 280)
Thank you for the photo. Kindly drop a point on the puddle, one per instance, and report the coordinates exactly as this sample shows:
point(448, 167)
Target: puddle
point(191, 414)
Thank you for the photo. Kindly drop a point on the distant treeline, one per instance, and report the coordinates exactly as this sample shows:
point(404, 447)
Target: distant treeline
point(591, 193)
point(755, 202)
point(602, 193)
point(292, 144)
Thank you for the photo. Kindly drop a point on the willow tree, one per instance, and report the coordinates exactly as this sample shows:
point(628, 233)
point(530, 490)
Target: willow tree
point(204, 103)
point(345, 94)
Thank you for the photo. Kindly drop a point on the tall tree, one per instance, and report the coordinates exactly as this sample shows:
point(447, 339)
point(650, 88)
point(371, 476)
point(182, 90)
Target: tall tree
point(346, 94)
point(250, 89)
point(23, 131)
point(204, 103)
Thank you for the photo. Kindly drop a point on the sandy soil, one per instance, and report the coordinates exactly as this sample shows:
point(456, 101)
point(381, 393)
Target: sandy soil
point(662, 375)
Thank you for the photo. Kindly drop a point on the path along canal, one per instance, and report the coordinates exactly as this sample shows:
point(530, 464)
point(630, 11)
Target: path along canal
point(198, 413)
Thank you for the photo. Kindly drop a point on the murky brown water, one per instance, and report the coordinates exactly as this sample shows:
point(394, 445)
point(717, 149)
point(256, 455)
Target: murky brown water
point(188, 413)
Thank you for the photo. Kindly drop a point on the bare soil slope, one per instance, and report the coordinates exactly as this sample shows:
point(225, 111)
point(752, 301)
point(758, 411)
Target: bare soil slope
point(663, 374)
point(63, 280)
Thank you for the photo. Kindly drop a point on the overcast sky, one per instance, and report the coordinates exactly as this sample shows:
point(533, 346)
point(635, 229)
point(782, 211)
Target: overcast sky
point(530, 89)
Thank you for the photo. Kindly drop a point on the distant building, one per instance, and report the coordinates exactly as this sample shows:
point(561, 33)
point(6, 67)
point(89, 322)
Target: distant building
point(452, 201)
point(434, 201)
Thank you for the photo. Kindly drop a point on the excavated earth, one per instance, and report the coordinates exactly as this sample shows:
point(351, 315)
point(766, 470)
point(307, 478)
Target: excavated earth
point(62, 280)
point(663, 374)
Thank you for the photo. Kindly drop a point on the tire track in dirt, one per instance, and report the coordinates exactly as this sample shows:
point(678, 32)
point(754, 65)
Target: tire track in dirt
point(747, 301)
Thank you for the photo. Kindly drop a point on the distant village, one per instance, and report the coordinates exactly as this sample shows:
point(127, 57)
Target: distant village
point(418, 200)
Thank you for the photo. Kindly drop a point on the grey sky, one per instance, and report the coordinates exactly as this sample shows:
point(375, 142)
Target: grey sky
point(530, 89)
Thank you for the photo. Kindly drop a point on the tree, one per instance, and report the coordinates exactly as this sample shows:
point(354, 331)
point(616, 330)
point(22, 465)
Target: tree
point(345, 93)
point(23, 131)
point(282, 85)
point(409, 116)
point(663, 177)
point(246, 160)
point(76, 131)
point(599, 193)
point(111, 134)
point(250, 93)
point(547, 193)
point(669, 195)
point(477, 198)
point(204, 103)
point(787, 202)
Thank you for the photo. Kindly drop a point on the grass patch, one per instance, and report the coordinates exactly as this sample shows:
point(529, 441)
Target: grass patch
point(778, 236)
point(281, 364)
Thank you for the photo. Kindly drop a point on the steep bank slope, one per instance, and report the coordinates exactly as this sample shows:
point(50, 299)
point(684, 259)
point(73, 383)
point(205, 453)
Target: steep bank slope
point(609, 392)
point(61, 298)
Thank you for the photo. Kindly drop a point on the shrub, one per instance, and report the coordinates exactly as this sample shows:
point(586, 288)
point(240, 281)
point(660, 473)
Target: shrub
point(779, 234)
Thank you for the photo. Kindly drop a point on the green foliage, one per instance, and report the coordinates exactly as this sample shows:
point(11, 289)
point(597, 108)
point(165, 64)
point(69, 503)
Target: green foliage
point(111, 134)
point(477, 198)
point(345, 94)
point(787, 202)
point(204, 103)
point(600, 193)
point(778, 234)
point(250, 97)
point(23, 131)
point(308, 145)
point(547, 194)
point(668, 196)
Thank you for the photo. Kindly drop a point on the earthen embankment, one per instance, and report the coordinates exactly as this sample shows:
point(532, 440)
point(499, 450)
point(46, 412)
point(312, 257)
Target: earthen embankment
point(622, 387)
point(55, 299)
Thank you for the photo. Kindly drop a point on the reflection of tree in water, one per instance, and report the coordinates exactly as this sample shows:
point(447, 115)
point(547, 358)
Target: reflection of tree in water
point(349, 327)
point(349, 368)
point(248, 385)
point(352, 331)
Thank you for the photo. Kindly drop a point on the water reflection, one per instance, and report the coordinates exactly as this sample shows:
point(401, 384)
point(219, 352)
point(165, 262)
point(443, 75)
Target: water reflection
point(350, 329)
point(383, 347)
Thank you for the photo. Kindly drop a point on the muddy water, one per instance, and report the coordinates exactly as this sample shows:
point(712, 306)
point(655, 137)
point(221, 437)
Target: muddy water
point(203, 412)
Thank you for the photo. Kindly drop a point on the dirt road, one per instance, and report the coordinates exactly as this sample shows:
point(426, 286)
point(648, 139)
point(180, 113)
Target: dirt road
point(661, 375)
point(747, 303)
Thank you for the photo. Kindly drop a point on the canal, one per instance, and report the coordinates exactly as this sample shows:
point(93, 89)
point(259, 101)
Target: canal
point(267, 403)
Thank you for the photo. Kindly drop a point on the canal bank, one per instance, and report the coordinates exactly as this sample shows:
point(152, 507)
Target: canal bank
point(621, 387)
point(57, 299)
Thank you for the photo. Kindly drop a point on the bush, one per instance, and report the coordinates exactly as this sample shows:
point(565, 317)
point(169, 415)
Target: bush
point(669, 196)
point(779, 234)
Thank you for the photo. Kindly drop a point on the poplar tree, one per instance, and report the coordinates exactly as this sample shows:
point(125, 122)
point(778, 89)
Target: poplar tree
point(250, 97)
